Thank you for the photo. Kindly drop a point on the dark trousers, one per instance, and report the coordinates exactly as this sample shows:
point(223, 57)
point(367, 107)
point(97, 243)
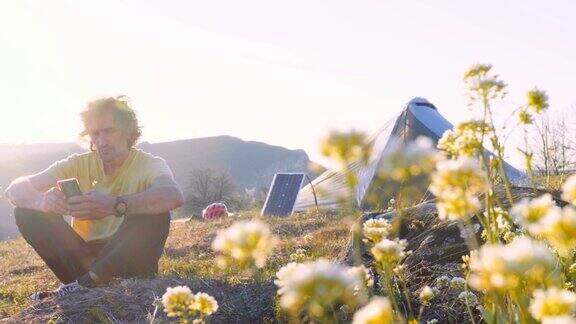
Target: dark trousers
point(133, 251)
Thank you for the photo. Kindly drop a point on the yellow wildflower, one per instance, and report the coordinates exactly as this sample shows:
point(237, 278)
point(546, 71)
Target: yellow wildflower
point(347, 147)
point(524, 117)
point(477, 70)
point(537, 100)
point(483, 85)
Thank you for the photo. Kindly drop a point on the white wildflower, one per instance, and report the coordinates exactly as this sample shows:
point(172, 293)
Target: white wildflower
point(426, 294)
point(318, 287)
point(531, 213)
point(365, 277)
point(379, 310)
point(559, 229)
point(442, 282)
point(569, 190)
point(408, 161)
point(245, 243)
point(376, 229)
point(204, 304)
point(176, 301)
point(506, 267)
point(468, 297)
point(458, 283)
point(389, 252)
point(552, 302)
point(566, 319)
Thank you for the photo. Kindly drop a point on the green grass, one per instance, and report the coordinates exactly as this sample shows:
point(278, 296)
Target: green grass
point(22, 272)
point(187, 254)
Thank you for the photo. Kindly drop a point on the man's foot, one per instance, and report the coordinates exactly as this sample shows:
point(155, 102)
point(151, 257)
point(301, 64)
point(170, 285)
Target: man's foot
point(62, 291)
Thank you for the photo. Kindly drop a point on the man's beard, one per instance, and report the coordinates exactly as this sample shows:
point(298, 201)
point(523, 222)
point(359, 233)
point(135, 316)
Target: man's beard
point(107, 154)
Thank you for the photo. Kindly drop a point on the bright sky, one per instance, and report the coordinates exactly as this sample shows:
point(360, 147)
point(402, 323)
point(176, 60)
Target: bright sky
point(281, 72)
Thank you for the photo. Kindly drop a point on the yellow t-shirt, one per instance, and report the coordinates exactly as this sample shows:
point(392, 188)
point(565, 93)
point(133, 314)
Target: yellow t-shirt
point(135, 175)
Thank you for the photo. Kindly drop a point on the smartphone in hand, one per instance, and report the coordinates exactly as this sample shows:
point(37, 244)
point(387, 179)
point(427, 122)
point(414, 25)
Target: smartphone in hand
point(70, 187)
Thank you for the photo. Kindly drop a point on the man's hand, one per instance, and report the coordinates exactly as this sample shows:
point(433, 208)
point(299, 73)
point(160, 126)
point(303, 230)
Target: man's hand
point(54, 201)
point(91, 205)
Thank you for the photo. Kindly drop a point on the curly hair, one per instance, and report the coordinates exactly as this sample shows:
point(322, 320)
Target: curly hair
point(124, 117)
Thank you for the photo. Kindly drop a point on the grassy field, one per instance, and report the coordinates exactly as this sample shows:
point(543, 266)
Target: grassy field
point(188, 256)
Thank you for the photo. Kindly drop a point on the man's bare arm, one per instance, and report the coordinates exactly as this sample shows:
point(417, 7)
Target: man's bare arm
point(164, 195)
point(37, 192)
point(21, 193)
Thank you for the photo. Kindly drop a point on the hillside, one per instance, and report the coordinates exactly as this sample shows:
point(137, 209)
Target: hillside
point(251, 164)
point(187, 260)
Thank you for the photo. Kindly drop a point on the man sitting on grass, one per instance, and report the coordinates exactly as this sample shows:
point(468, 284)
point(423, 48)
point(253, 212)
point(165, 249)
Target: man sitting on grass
point(119, 225)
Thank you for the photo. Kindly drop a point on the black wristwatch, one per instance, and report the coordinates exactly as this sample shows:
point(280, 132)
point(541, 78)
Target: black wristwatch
point(120, 207)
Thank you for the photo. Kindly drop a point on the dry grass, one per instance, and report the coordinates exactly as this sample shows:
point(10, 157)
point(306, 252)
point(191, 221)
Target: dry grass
point(188, 259)
point(553, 182)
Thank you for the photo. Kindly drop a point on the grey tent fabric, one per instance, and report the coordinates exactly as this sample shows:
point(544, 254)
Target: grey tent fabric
point(418, 118)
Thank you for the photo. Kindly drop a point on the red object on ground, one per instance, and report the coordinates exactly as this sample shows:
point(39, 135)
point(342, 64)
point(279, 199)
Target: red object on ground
point(215, 211)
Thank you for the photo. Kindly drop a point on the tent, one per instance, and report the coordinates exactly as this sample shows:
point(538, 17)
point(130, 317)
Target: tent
point(418, 118)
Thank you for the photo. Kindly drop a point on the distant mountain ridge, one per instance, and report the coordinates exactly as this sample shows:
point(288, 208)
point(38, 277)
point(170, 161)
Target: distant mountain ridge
point(251, 164)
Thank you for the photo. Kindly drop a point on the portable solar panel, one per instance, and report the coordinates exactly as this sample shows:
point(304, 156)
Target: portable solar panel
point(282, 194)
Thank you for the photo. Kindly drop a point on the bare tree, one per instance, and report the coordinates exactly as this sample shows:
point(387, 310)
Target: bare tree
point(541, 153)
point(206, 186)
point(563, 149)
point(555, 151)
